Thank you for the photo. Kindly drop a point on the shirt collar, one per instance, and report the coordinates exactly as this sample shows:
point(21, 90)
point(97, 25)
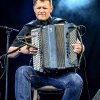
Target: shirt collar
point(49, 21)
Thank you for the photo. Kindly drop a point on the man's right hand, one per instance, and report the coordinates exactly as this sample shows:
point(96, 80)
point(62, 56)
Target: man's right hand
point(24, 50)
point(28, 50)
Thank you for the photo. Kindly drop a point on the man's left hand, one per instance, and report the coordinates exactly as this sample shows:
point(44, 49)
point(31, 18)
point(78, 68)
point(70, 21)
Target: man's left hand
point(77, 47)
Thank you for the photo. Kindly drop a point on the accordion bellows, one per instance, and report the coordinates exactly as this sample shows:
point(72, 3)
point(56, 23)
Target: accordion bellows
point(54, 43)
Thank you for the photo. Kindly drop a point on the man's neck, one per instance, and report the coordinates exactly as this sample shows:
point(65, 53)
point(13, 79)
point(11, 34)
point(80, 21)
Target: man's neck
point(45, 22)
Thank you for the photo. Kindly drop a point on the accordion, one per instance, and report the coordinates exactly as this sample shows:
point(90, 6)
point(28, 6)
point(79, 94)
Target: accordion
point(54, 43)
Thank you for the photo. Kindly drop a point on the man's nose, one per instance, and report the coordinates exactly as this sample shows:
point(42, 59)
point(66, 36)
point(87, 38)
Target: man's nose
point(41, 10)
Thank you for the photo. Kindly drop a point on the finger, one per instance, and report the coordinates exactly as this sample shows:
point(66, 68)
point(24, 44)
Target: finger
point(77, 44)
point(77, 51)
point(31, 48)
point(33, 51)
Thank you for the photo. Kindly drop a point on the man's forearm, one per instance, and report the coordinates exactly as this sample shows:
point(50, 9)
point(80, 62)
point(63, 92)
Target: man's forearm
point(13, 52)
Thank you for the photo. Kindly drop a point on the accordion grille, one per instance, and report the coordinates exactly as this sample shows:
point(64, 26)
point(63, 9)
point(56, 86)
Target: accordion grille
point(72, 40)
point(36, 42)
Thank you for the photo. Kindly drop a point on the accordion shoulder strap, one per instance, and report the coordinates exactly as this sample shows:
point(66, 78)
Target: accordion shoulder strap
point(58, 20)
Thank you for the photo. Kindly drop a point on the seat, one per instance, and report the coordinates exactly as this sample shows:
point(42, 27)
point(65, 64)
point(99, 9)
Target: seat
point(47, 92)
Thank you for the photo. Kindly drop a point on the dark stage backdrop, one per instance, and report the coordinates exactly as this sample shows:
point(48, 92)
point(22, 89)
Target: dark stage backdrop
point(16, 13)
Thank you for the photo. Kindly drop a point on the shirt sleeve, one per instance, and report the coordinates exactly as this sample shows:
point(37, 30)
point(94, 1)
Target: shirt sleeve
point(25, 31)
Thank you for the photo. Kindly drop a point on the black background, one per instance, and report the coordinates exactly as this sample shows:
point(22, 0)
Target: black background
point(16, 13)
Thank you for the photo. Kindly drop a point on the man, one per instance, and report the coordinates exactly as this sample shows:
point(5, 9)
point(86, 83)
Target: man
point(26, 77)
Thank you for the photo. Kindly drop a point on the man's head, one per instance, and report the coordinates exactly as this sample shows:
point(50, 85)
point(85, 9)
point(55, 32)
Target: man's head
point(42, 9)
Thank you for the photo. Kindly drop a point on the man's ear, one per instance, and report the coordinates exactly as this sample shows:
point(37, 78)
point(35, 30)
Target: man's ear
point(33, 8)
point(51, 8)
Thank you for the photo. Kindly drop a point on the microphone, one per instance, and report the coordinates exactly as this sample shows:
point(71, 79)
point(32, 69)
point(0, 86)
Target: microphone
point(21, 39)
point(7, 28)
point(25, 37)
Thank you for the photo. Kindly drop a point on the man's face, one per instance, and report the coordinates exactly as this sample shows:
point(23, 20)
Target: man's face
point(42, 10)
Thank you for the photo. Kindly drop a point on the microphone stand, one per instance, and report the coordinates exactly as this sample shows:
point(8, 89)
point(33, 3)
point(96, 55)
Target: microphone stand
point(8, 32)
point(6, 66)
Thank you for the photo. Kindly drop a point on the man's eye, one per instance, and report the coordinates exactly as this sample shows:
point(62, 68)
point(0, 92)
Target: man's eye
point(42, 8)
point(45, 8)
point(39, 8)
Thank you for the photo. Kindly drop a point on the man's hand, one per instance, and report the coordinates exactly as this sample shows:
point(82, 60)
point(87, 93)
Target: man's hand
point(77, 47)
point(28, 50)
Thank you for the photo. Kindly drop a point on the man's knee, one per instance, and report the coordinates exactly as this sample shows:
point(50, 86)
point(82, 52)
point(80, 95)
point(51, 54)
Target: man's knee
point(22, 70)
point(77, 80)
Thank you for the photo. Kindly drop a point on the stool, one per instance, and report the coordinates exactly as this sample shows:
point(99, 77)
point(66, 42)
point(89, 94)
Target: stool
point(48, 93)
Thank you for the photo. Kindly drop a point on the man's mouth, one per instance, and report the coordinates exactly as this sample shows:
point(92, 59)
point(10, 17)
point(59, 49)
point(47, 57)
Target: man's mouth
point(41, 14)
